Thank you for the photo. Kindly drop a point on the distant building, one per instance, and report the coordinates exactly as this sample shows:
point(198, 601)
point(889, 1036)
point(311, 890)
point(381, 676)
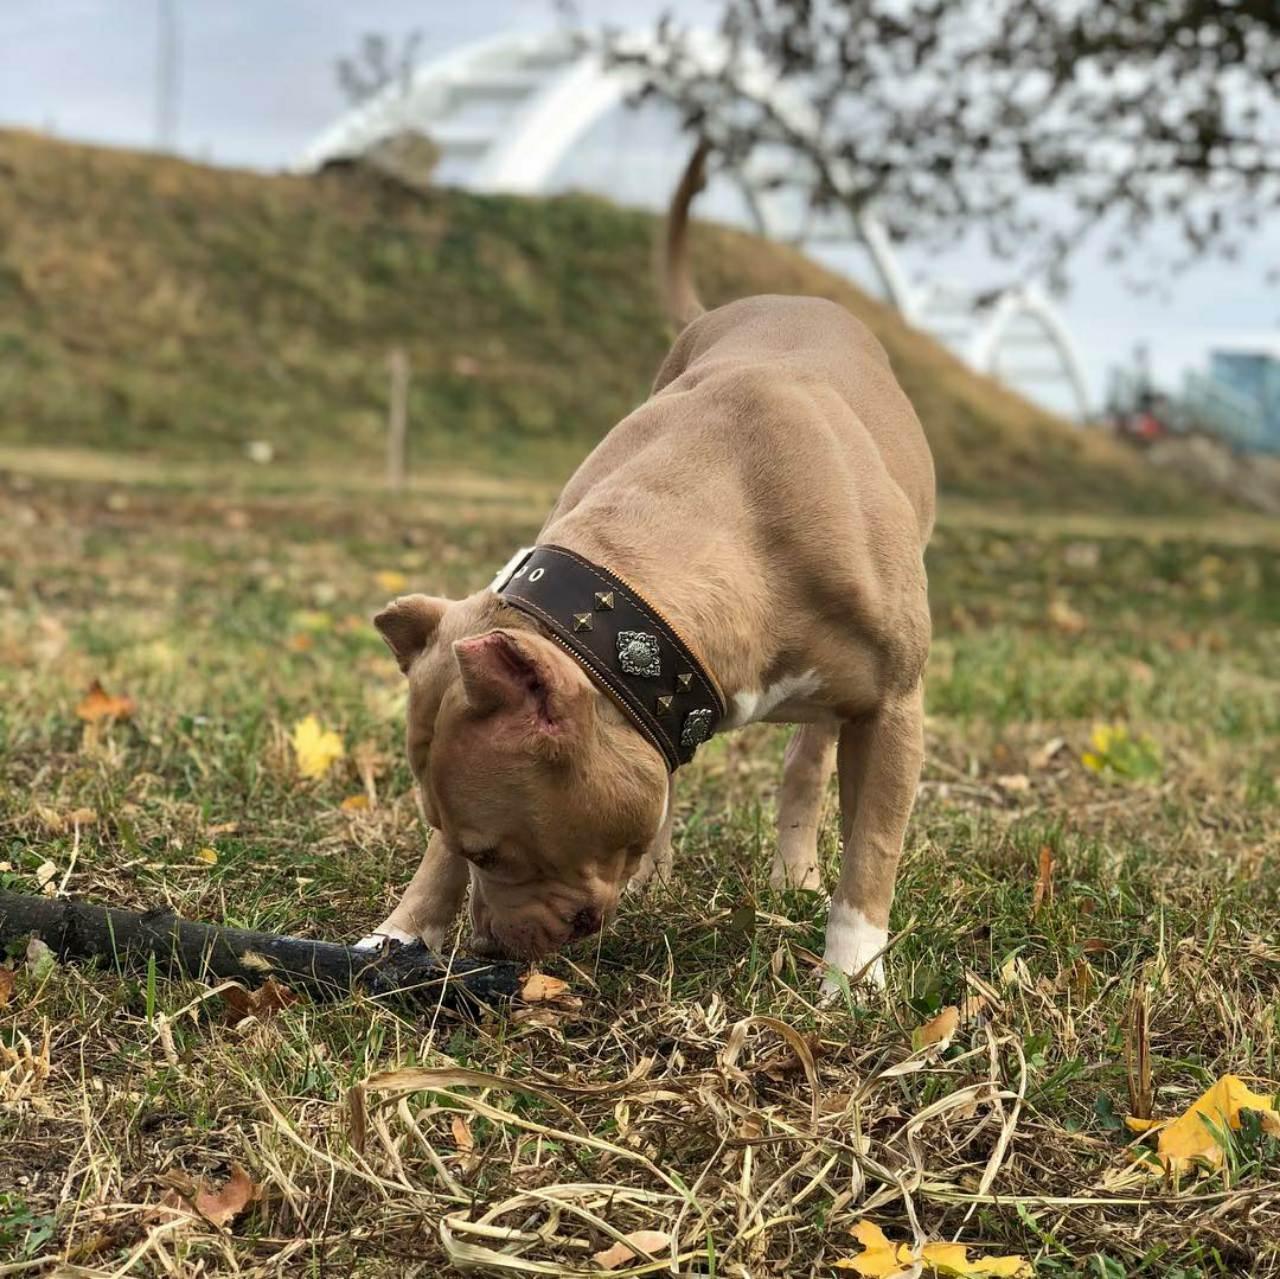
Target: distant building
point(1252, 370)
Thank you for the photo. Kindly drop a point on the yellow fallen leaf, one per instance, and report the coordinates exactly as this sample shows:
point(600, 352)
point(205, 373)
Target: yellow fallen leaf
point(391, 580)
point(953, 1259)
point(883, 1259)
point(354, 803)
point(539, 987)
point(937, 1030)
point(209, 856)
point(638, 1242)
point(314, 747)
point(1190, 1139)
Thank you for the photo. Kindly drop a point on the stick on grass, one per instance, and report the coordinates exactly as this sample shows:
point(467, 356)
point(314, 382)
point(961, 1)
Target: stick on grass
point(125, 939)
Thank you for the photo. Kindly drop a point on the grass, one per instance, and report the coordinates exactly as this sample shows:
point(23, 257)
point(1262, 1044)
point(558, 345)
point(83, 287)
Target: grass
point(182, 312)
point(689, 1084)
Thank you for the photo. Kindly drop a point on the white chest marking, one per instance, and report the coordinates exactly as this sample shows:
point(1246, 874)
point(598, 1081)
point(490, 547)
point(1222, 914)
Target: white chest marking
point(779, 700)
point(852, 942)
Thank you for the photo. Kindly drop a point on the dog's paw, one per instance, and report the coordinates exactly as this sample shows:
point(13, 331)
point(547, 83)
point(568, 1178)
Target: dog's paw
point(374, 941)
point(783, 875)
point(854, 950)
point(834, 982)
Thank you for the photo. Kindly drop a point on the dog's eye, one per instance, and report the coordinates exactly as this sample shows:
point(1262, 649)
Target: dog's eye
point(483, 859)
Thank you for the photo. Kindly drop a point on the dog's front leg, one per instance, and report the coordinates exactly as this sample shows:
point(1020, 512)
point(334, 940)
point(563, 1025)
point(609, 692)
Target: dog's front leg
point(878, 762)
point(658, 857)
point(430, 903)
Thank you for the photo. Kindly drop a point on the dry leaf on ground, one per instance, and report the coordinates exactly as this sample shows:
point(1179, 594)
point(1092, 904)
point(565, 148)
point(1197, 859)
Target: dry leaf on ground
point(539, 987)
point(391, 580)
point(653, 1242)
point(1062, 617)
point(354, 804)
point(462, 1137)
point(937, 1030)
point(6, 986)
point(315, 747)
point(1043, 892)
point(98, 705)
point(1042, 758)
point(222, 1206)
point(207, 856)
point(218, 1207)
point(1190, 1138)
point(881, 1259)
point(267, 1000)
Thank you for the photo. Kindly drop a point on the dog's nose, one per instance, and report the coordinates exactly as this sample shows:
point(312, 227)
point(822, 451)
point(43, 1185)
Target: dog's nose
point(584, 923)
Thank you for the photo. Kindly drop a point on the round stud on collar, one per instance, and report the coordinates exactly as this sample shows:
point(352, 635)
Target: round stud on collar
point(697, 728)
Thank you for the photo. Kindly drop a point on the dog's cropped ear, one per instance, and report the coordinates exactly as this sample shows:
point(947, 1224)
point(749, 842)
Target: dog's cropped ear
point(409, 624)
point(524, 674)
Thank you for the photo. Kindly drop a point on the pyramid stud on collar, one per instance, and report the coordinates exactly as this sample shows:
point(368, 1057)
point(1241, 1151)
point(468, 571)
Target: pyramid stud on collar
point(582, 621)
point(684, 682)
point(604, 600)
point(664, 704)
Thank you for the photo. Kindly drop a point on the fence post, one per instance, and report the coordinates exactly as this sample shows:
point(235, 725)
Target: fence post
point(397, 418)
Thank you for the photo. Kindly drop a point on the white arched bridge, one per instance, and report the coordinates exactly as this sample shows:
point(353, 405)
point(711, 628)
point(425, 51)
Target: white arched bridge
point(508, 113)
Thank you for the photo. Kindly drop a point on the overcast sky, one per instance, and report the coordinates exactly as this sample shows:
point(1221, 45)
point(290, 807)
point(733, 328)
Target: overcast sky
point(257, 84)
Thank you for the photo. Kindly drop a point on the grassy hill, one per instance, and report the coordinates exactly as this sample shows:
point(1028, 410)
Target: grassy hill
point(148, 304)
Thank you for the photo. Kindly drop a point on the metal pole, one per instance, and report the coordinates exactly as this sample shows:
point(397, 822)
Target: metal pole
point(397, 418)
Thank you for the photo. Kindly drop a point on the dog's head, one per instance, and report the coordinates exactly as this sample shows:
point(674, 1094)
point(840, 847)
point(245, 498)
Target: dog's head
point(526, 769)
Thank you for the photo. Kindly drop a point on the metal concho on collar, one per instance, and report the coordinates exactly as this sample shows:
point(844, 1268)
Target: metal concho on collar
point(622, 642)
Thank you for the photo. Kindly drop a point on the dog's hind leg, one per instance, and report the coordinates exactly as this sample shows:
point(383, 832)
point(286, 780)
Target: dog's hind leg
point(430, 904)
point(879, 763)
point(811, 755)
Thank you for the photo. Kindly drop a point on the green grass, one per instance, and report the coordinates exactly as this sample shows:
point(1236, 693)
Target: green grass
point(181, 312)
point(191, 598)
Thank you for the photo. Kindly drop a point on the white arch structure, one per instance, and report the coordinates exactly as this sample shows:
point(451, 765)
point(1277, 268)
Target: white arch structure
point(505, 112)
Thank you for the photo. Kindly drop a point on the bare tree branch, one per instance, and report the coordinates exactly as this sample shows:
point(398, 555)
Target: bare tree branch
point(950, 115)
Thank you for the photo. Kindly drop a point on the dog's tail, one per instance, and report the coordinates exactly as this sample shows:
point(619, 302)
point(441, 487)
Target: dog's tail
point(680, 295)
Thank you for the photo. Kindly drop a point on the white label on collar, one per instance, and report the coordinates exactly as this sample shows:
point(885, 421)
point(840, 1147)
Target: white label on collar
point(508, 570)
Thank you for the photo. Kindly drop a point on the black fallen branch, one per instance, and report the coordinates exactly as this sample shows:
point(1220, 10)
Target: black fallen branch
point(128, 939)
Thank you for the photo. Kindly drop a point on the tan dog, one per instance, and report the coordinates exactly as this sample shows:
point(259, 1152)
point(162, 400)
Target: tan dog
point(773, 498)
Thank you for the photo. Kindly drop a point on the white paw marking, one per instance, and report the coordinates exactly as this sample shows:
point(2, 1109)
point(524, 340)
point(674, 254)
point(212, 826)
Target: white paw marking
point(852, 942)
point(784, 699)
point(374, 940)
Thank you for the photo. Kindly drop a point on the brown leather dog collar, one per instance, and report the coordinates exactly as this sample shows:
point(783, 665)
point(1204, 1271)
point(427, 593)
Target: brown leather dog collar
point(622, 642)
